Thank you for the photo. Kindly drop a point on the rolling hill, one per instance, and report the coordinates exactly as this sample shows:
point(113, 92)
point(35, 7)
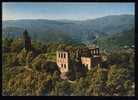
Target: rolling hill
point(62, 30)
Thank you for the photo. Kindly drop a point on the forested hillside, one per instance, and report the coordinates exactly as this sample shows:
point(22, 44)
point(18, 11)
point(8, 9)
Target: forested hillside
point(118, 40)
point(35, 72)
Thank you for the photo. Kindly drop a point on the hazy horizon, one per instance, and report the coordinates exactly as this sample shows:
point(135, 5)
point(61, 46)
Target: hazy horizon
point(71, 19)
point(64, 11)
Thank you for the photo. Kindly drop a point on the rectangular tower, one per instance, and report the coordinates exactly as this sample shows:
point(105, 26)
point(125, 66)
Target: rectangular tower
point(96, 57)
point(63, 61)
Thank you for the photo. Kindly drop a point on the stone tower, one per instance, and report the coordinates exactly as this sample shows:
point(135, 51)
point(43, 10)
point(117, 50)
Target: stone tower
point(96, 56)
point(63, 61)
point(27, 40)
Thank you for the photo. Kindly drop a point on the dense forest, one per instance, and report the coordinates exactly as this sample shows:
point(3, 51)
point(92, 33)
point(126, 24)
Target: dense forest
point(34, 72)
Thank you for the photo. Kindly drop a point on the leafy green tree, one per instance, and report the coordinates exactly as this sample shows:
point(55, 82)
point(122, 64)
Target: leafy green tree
point(38, 61)
point(22, 57)
point(6, 43)
point(38, 47)
point(29, 57)
point(116, 78)
point(62, 88)
point(56, 75)
point(9, 59)
point(16, 45)
point(49, 66)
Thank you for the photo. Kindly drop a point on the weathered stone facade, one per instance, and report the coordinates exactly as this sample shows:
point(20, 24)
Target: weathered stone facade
point(92, 59)
point(89, 58)
point(63, 61)
point(87, 62)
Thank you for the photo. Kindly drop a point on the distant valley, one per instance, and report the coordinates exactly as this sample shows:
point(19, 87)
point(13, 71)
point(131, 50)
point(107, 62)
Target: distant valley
point(86, 31)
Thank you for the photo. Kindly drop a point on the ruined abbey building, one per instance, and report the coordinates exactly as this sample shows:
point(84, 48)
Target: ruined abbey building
point(88, 58)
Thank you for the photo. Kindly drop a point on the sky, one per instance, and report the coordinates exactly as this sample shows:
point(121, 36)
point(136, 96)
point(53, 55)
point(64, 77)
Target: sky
point(66, 11)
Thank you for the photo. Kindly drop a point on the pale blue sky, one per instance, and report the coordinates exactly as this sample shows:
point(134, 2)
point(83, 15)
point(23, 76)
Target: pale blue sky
point(70, 11)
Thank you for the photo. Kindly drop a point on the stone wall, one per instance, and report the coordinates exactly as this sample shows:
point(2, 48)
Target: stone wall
point(63, 61)
point(87, 62)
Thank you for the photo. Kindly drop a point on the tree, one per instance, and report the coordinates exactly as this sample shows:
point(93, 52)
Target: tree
point(9, 59)
point(62, 88)
point(116, 78)
point(22, 57)
point(56, 75)
point(37, 63)
point(16, 45)
point(29, 57)
point(49, 66)
point(6, 44)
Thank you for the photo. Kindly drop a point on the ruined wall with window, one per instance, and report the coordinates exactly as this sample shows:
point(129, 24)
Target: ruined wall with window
point(63, 61)
point(87, 62)
point(95, 56)
point(90, 58)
